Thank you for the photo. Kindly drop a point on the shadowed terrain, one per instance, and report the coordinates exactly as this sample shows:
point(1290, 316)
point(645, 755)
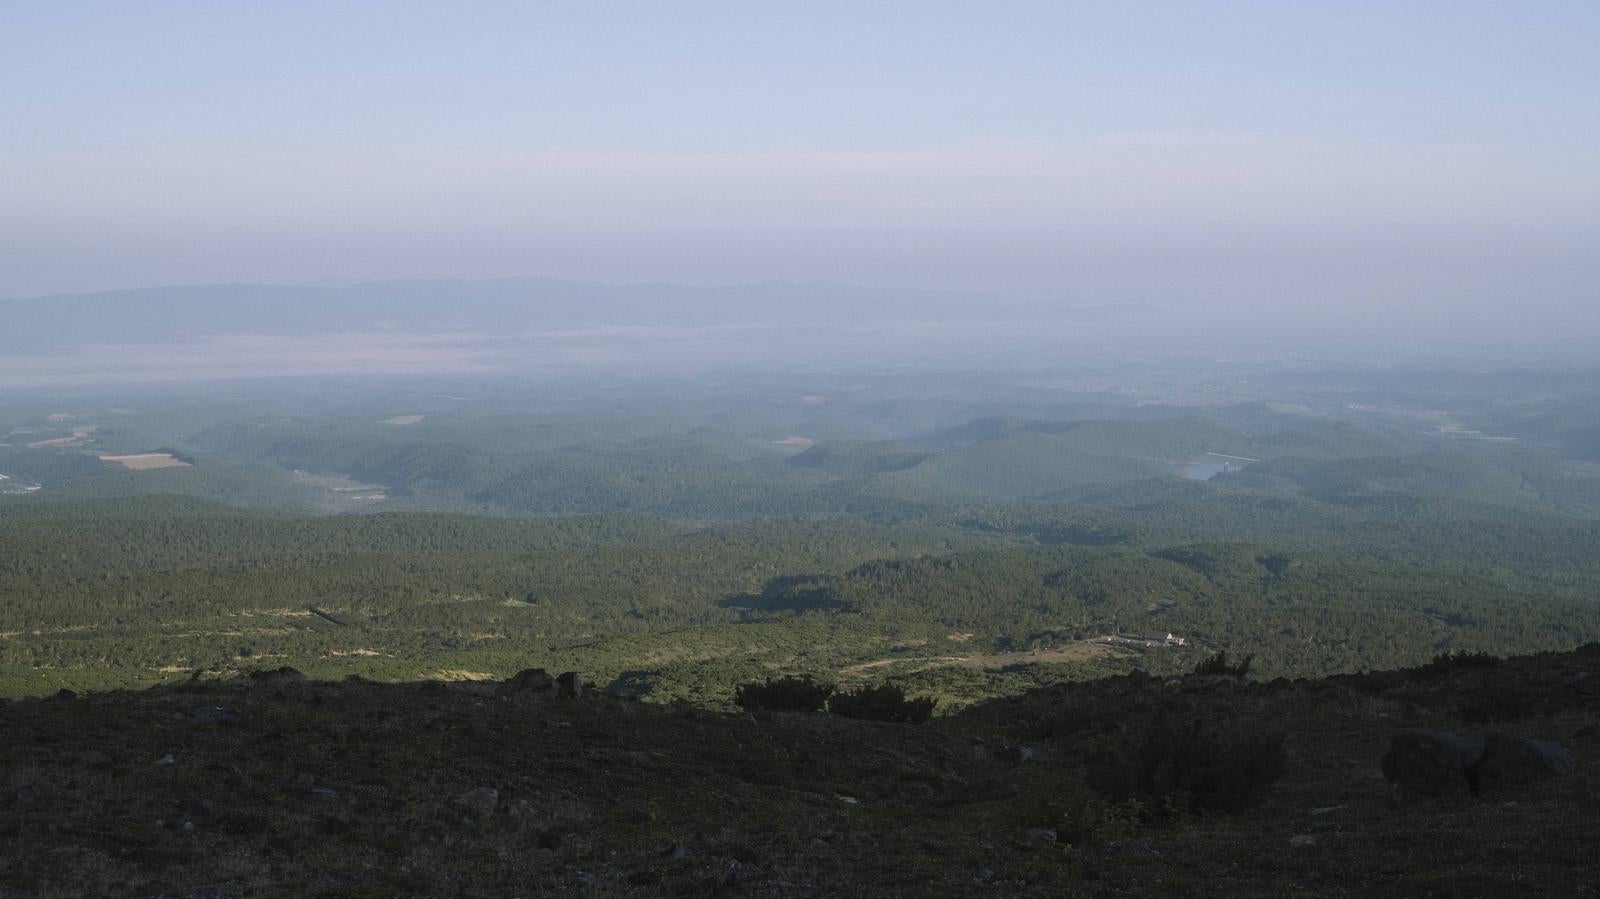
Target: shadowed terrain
point(285, 787)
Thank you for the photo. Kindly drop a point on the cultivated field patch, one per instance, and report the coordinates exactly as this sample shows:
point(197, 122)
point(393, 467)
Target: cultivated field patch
point(146, 461)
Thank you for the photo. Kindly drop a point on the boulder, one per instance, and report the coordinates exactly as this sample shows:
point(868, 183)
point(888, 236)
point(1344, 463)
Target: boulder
point(1430, 763)
point(528, 680)
point(1016, 755)
point(569, 685)
point(277, 675)
point(481, 802)
point(1434, 763)
point(1586, 684)
point(1520, 760)
point(1037, 836)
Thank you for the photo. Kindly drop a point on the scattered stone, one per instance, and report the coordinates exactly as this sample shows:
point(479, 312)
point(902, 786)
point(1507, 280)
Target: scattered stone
point(677, 851)
point(323, 793)
point(528, 680)
point(1586, 684)
point(1303, 839)
point(213, 714)
point(481, 801)
point(166, 760)
point(541, 857)
point(155, 856)
point(65, 695)
point(569, 685)
point(1326, 809)
point(1038, 836)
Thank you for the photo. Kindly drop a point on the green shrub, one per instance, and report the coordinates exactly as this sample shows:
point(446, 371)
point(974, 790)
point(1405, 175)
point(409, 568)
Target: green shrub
point(1218, 664)
point(886, 702)
point(790, 693)
point(1187, 767)
point(1492, 703)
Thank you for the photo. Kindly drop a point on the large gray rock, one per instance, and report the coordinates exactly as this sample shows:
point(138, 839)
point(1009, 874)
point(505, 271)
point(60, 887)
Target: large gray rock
point(284, 674)
point(1434, 763)
point(528, 680)
point(1430, 763)
point(481, 802)
point(569, 685)
point(1520, 760)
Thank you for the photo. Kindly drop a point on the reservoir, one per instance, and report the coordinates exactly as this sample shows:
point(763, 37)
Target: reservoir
point(1204, 471)
point(1210, 465)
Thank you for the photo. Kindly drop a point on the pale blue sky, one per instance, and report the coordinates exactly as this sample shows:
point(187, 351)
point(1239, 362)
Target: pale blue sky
point(1307, 152)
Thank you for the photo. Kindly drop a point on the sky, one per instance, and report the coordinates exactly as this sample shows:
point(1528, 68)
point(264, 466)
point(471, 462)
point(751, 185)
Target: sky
point(1334, 157)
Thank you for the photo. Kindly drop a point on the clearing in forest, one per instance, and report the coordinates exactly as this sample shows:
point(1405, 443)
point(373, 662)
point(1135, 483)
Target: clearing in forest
point(146, 461)
point(1072, 652)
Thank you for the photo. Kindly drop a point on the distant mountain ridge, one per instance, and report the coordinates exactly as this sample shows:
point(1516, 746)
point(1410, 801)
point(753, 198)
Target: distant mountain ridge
point(506, 306)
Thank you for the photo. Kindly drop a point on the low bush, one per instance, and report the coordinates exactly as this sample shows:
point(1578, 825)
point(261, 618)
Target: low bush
point(1492, 703)
point(1171, 768)
point(791, 693)
point(886, 702)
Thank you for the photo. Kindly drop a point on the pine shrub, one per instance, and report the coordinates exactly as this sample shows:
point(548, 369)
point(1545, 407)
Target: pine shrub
point(790, 693)
point(885, 702)
point(1219, 664)
point(1172, 767)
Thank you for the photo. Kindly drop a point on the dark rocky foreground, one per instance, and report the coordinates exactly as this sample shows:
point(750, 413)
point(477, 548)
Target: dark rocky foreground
point(278, 786)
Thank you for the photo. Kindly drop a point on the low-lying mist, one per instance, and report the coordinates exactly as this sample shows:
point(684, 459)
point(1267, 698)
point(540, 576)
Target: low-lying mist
point(527, 327)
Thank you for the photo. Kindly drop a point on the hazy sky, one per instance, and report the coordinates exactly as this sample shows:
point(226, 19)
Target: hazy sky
point(1287, 152)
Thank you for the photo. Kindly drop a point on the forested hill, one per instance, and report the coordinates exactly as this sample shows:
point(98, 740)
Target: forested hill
point(962, 602)
point(960, 534)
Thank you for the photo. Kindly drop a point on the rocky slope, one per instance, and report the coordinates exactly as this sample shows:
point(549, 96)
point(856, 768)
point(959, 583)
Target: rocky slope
point(284, 787)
